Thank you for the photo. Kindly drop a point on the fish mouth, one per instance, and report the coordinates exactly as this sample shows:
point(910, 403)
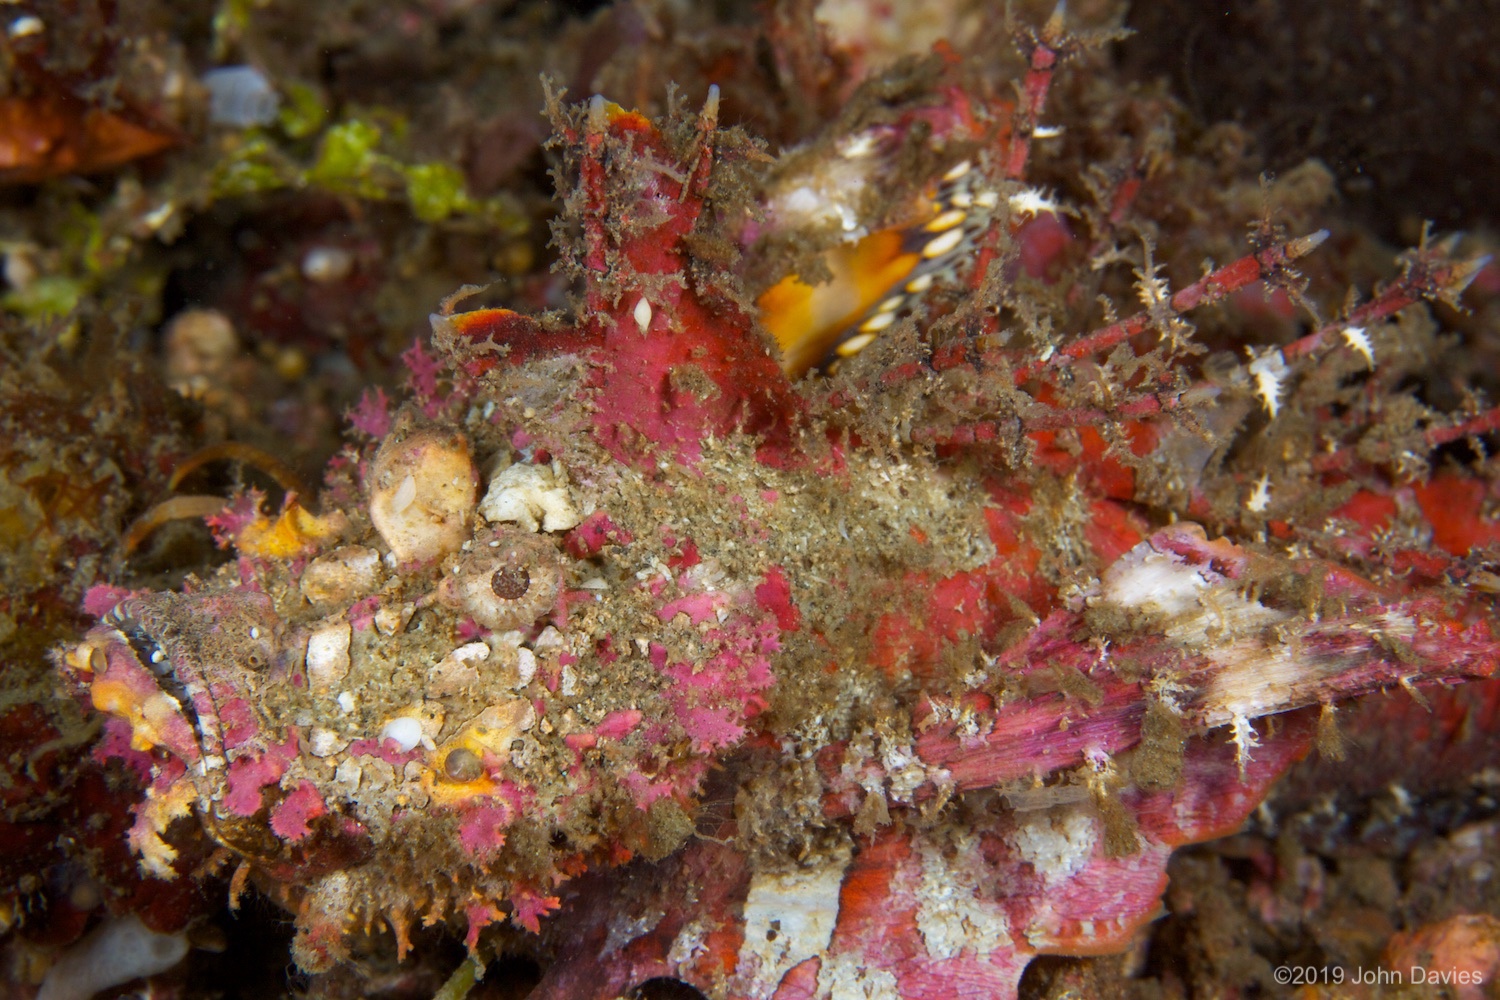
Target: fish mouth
point(126, 631)
point(152, 655)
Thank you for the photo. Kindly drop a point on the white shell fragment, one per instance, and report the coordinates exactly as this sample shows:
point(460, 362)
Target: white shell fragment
point(325, 742)
point(343, 575)
point(405, 731)
point(534, 496)
point(457, 671)
point(328, 656)
point(391, 619)
point(499, 724)
point(422, 492)
point(525, 666)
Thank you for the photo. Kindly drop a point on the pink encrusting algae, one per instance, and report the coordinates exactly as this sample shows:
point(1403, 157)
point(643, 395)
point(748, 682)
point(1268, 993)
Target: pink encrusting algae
point(898, 677)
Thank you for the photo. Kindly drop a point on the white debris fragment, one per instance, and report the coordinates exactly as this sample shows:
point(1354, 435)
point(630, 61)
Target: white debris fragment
point(390, 619)
point(500, 724)
point(1359, 340)
point(325, 742)
point(348, 774)
point(346, 702)
point(1260, 496)
point(457, 671)
point(857, 147)
point(346, 573)
point(534, 496)
point(958, 171)
point(1270, 373)
point(549, 638)
point(328, 656)
point(525, 666)
point(471, 652)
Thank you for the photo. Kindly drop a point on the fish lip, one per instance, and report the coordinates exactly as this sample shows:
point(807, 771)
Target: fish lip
point(130, 623)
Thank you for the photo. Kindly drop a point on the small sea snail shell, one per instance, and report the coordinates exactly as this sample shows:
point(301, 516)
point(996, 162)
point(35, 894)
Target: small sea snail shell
point(462, 764)
point(505, 586)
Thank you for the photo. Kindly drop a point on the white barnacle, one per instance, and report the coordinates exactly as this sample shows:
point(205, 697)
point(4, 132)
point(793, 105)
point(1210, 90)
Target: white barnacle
point(1359, 340)
point(643, 314)
point(508, 587)
point(1033, 201)
point(1269, 371)
point(1260, 496)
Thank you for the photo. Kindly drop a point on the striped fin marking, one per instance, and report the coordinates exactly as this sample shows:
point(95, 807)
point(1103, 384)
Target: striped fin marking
point(875, 280)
